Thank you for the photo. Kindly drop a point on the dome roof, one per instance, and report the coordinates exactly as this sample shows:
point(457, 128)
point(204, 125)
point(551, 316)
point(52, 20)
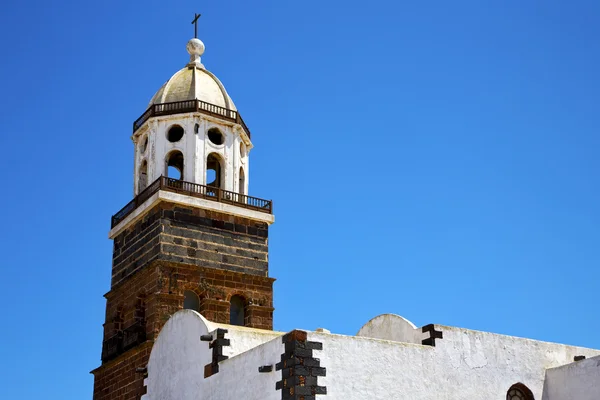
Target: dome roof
point(194, 82)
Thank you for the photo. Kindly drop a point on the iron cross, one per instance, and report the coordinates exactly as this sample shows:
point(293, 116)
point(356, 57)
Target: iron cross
point(195, 22)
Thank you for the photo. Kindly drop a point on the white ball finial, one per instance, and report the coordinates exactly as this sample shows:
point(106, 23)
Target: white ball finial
point(196, 48)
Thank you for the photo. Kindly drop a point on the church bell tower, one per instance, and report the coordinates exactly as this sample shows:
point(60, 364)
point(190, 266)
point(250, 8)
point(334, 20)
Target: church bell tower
point(191, 237)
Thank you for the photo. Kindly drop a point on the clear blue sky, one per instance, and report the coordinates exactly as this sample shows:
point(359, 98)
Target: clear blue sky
point(438, 160)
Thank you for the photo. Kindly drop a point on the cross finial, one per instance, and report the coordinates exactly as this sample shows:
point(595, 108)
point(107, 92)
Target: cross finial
point(195, 22)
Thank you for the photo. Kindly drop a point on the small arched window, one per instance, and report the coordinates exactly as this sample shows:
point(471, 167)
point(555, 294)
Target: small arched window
point(518, 391)
point(143, 176)
point(175, 165)
point(237, 312)
point(191, 301)
point(242, 183)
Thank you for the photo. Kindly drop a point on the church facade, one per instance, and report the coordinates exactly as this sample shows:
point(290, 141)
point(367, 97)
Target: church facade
point(189, 313)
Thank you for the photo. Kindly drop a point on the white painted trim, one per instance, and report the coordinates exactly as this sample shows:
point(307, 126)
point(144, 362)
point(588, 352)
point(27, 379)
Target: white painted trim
point(182, 199)
point(216, 206)
point(134, 216)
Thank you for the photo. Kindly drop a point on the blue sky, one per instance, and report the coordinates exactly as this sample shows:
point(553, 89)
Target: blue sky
point(435, 159)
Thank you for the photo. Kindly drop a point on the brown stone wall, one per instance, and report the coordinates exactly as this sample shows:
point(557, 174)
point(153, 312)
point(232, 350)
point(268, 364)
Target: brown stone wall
point(211, 239)
point(174, 249)
point(175, 233)
point(161, 285)
point(136, 246)
point(118, 380)
point(215, 287)
point(171, 250)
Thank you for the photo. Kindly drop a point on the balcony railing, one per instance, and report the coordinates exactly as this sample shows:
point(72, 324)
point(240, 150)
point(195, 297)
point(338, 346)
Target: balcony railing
point(194, 190)
point(123, 341)
point(134, 335)
point(111, 347)
point(180, 107)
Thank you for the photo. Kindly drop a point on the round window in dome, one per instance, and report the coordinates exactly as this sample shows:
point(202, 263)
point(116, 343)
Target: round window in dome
point(175, 133)
point(215, 136)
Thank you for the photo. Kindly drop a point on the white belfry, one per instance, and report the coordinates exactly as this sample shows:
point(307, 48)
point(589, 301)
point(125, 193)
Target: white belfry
point(204, 142)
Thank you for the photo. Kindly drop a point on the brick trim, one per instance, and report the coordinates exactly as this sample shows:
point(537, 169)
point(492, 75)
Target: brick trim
point(299, 369)
point(217, 353)
point(433, 334)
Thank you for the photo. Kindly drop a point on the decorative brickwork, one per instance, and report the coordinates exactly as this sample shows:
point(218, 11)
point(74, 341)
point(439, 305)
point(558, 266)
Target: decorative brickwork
point(170, 250)
point(217, 352)
point(299, 369)
point(433, 334)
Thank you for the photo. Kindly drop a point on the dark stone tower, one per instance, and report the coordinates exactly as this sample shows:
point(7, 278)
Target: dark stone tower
point(191, 237)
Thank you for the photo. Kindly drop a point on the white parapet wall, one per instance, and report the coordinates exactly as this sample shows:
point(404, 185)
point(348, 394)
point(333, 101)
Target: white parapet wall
point(463, 364)
point(576, 381)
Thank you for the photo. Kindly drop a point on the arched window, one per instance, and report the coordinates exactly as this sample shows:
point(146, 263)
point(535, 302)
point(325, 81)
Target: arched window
point(237, 313)
point(518, 391)
point(242, 182)
point(191, 301)
point(143, 176)
point(214, 170)
point(175, 165)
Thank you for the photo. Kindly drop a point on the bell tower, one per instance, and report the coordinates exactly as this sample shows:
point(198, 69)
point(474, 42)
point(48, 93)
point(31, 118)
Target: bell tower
point(191, 237)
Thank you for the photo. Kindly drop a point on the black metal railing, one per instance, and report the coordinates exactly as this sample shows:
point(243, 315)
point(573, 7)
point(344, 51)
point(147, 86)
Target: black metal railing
point(111, 347)
point(134, 335)
point(194, 190)
point(180, 107)
point(124, 340)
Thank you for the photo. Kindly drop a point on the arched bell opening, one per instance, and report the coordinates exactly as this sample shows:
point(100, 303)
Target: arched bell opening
point(242, 183)
point(214, 173)
point(174, 162)
point(143, 176)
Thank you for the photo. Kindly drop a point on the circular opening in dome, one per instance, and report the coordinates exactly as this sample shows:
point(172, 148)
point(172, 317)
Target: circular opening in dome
point(242, 150)
point(175, 133)
point(144, 144)
point(215, 136)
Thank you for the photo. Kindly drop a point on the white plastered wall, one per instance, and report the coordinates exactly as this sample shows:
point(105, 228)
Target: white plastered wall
point(392, 327)
point(576, 381)
point(195, 148)
point(176, 365)
point(464, 364)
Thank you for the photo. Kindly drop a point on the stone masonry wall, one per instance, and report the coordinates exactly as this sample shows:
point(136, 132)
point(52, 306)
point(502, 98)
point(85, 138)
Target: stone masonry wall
point(171, 250)
point(118, 380)
point(190, 235)
point(162, 285)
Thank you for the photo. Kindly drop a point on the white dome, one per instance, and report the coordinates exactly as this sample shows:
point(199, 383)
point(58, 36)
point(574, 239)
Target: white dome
point(194, 82)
